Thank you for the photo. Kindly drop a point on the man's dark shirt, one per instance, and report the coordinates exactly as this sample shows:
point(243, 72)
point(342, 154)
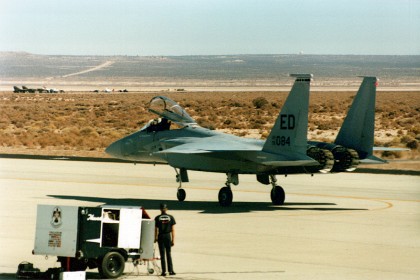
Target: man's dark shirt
point(164, 223)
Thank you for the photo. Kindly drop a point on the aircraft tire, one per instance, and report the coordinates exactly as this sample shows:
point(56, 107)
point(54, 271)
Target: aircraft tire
point(225, 197)
point(181, 194)
point(278, 195)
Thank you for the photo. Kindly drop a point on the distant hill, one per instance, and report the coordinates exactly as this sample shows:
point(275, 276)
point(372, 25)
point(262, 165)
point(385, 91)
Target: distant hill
point(266, 69)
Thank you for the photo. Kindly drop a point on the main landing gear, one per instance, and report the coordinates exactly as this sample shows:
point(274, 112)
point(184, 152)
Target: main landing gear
point(277, 193)
point(225, 193)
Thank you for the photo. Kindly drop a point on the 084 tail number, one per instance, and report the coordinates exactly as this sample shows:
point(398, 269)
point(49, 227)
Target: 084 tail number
point(280, 141)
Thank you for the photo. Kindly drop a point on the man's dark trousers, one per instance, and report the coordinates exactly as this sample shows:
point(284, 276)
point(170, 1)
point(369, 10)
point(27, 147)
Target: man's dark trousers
point(165, 245)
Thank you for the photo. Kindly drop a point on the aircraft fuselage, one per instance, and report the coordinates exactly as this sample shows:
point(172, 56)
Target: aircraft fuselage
point(149, 147)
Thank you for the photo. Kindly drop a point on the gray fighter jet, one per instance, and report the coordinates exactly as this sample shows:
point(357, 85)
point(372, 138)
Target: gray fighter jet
point(24, 89)
point(192, 147)
point(30, 90)
point(195, 148)
point(17, 89)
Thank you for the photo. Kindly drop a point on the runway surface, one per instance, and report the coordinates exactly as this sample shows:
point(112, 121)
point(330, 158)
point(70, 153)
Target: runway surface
point(336, 226)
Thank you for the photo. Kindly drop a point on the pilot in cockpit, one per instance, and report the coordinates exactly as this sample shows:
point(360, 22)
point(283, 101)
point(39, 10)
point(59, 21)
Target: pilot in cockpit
point(160, 124)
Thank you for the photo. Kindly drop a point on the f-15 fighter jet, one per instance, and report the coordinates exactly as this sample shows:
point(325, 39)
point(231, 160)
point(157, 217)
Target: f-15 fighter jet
point(192, 147)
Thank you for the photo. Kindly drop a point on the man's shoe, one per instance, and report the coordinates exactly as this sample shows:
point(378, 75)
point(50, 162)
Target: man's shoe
point(172, 273)
point(163, 274)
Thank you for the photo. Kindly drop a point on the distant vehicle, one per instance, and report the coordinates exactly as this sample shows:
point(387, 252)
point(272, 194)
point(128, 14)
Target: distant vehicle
point(52, 90)
point(107, 90)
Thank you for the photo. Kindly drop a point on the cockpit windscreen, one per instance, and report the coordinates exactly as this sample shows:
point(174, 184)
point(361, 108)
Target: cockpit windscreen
point(169, 109)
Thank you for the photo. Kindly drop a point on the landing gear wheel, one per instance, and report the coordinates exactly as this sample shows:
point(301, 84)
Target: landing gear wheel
point(277, 195)
point(112, 265)
point(225, 197)
point(181, 194)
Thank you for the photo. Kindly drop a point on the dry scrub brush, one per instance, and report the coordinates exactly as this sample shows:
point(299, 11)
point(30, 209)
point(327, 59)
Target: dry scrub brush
point(86, 121)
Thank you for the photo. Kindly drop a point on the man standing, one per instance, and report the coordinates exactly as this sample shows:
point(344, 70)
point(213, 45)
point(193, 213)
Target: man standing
point(165, 236)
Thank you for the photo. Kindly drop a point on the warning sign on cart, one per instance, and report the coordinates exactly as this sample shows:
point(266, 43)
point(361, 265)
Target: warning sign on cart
point(55, 239)
point(56, 230)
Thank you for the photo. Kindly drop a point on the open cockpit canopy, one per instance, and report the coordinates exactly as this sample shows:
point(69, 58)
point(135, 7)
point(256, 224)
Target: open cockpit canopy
point(169, 109)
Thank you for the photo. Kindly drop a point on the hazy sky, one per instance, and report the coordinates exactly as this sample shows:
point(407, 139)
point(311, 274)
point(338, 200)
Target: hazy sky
point(194, 27)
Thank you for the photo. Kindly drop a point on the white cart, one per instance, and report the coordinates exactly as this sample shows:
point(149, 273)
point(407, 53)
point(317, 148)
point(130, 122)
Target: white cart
point(102, 237)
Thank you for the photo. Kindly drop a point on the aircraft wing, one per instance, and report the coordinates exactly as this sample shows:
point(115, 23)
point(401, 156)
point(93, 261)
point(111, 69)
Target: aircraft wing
point(371, 159)
point(184, 149)
point(249, 151)
point(390, 149)
point(204, 145)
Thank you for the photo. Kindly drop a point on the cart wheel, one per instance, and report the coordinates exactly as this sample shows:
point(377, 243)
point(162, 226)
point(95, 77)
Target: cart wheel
point(151, 270)
point(112, 265)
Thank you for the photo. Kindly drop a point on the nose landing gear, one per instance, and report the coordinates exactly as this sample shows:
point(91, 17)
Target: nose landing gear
point(181, 194)
point(181, 176)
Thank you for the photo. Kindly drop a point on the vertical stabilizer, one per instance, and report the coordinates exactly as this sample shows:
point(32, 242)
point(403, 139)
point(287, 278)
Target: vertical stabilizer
point(357, 131)
point(289, 133)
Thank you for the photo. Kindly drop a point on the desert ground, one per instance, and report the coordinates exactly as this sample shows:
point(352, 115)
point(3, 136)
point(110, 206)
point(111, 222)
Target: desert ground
point(85, 123)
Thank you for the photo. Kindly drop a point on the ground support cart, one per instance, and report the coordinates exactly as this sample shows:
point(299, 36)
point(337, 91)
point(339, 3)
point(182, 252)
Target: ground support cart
point(103, 237)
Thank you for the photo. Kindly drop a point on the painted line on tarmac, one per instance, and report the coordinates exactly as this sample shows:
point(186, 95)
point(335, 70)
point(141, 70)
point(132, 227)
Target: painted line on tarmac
point(381, 200)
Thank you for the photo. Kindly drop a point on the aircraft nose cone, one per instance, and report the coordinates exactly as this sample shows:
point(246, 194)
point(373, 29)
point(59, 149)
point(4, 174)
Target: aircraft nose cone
point(114, 149)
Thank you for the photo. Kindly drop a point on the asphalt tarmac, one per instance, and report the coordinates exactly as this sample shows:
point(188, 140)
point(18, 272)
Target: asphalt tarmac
point(335, 226)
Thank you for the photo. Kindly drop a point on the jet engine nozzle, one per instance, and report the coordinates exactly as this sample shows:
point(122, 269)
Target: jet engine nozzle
point(324, 157)
point(345, 159)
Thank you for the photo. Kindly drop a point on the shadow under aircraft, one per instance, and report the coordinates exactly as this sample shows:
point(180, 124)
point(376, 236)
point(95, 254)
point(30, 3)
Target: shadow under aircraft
point(210, 207)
